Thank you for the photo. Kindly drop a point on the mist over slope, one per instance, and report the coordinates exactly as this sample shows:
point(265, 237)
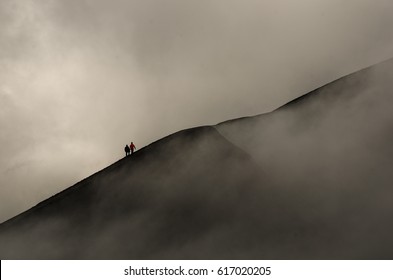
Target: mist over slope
point(332, 149)
point(311, 180)
point(177, 198)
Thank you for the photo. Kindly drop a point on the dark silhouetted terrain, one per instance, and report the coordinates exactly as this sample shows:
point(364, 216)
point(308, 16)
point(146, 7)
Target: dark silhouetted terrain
point(311, 180)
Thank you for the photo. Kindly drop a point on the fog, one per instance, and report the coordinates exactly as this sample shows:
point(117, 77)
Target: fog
point(330, 152)
point(80, 79)
point(161, 202)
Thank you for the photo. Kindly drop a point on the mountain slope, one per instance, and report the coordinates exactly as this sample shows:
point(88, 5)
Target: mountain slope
point(161, 202)
point(333, 147)
point(311, 180)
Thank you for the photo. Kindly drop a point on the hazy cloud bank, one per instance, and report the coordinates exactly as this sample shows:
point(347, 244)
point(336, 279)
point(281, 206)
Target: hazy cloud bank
point(80, 79)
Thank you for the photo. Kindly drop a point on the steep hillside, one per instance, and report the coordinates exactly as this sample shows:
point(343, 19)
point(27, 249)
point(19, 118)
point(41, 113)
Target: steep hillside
point(311, 180)
point(176, 198)
point(333, 149)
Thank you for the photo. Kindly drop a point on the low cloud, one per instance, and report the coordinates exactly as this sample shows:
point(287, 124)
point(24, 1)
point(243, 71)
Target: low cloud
point(80, 79)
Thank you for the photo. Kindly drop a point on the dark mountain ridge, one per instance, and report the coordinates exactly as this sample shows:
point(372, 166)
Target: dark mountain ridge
point(333, 149)
point(310, 180)
point(164, 194)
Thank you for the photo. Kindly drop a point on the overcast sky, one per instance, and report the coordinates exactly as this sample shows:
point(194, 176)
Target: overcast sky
point(79, 79)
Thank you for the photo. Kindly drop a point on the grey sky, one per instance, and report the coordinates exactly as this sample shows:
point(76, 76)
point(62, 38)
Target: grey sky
point(80, 79)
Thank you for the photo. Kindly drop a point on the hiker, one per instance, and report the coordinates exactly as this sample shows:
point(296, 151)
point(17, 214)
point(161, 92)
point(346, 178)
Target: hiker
point(127, 150)
point(132, 147)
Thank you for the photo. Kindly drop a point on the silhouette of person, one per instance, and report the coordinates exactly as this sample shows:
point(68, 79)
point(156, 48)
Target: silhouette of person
point(127, 150)
point(132, 147)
